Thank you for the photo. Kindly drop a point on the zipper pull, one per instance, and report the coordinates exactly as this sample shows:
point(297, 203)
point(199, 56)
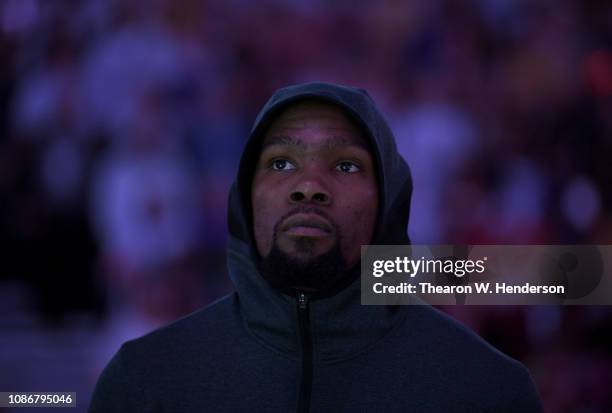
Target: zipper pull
point(302, 300)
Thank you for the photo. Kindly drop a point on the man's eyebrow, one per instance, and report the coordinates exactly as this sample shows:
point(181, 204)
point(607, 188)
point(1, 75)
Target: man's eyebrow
point(284, 141)
point(339, 142)
point(331, 143)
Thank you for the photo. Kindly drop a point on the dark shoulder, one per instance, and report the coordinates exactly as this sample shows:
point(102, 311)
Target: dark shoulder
point(460, 368)
point(445, 341)
point(200, 329)
point(141, 367)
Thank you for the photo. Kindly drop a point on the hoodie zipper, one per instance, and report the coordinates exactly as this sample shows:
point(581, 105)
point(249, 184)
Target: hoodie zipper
point(305, 336)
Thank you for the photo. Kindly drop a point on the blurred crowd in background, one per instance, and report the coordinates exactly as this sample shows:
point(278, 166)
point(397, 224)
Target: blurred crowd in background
point(122, 122)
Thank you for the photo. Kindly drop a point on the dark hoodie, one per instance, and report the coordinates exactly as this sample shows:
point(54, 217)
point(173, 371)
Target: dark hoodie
point(263, 349)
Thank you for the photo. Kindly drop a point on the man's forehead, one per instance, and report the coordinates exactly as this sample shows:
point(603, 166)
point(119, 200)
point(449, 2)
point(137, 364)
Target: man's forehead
point(328, 143)
point(338, 129)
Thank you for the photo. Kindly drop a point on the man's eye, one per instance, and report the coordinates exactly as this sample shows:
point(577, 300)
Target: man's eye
point(348, 167)
point(282, 165)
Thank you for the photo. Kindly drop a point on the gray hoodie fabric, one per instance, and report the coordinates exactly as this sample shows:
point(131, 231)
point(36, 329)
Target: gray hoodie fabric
point(263, 348)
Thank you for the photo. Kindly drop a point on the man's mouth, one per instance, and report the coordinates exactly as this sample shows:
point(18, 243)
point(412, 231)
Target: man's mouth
point(307, 225)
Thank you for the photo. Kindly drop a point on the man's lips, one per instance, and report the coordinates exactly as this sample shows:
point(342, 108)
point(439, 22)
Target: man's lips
point(302, 231)
point(307, 225)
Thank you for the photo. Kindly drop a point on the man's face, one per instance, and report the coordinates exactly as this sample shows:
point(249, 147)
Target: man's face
point(314, 188)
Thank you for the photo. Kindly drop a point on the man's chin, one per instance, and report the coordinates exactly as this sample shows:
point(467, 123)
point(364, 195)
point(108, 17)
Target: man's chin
point(309, 268)
point(304, 248)
point(304, 257)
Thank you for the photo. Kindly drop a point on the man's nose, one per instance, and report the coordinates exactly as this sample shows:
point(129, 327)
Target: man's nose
point(310, 191)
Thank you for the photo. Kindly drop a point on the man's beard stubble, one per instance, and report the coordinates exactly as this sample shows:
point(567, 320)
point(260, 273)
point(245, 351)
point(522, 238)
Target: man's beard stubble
point(316, 273)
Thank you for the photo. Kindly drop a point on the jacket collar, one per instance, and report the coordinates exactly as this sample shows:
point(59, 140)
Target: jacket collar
point(341, 327)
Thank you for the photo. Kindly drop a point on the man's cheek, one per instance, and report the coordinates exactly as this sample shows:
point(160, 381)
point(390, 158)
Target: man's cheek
point(361, 234)
point(263, 230)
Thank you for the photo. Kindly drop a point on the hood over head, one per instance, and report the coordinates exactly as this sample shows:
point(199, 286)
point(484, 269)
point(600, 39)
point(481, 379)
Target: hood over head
point(393, 174)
